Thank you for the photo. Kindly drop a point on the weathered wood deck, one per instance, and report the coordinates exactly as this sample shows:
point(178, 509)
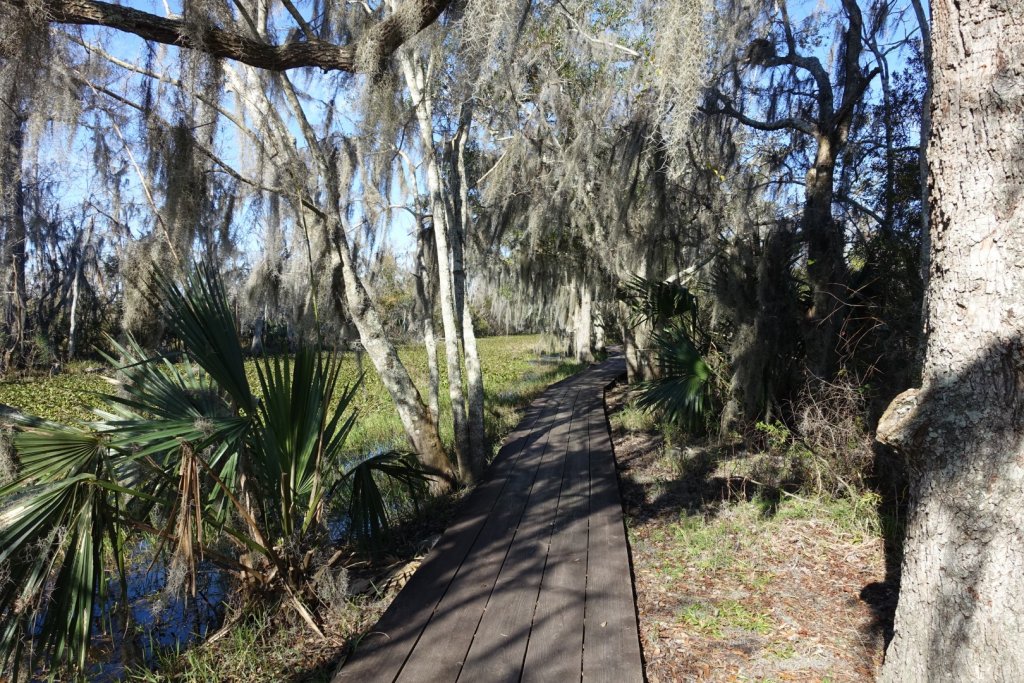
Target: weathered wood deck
point(532, 580)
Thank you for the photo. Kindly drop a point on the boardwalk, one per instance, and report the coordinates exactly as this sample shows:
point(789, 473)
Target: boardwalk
point(531, 582)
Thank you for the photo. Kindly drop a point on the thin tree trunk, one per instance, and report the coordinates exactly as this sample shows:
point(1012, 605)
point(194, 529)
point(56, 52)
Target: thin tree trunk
point(474, 374)
point(415, 81)
point(961, 608)
point(419, 426)
point(420, 429)
point(424, 294)
point(75, 284)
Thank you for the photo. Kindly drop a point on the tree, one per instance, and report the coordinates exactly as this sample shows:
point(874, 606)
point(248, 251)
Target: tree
point(961, 608)
point(191, 203)
point(796, 94)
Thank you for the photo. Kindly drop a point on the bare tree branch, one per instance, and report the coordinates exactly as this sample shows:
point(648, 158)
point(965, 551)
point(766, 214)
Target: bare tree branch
point(375, 44)
point(724, 106)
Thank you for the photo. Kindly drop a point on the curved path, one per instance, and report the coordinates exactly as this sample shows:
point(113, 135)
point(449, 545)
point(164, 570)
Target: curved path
point(532, 579)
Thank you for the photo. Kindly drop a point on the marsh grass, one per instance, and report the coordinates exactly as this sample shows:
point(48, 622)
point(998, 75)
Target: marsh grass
point(512, 368)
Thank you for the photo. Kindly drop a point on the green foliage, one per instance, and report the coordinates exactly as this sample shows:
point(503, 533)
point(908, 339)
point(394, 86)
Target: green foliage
point(712, 619)
point(632, 418)
point(233, 472)
point(657, 302)
point(368, 514)
point(684, 390)
point(62, 398)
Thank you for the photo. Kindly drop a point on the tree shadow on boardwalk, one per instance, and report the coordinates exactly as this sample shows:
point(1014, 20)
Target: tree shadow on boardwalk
point(537, 550)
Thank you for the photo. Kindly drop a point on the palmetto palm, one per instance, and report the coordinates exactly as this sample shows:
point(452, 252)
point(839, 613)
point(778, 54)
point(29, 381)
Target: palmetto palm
point(191, 454)
point(684, 389)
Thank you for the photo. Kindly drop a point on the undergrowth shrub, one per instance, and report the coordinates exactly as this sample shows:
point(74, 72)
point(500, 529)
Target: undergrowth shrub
point(829, 450)
point(830, 420)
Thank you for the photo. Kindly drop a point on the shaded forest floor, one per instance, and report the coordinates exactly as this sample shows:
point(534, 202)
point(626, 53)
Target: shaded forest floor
point(740, 582)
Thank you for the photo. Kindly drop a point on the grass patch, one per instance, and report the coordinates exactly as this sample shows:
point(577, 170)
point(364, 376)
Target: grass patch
point(745, 567)
point(256, 649)
point(513, 376)
point(714, 619)
point(633, 419)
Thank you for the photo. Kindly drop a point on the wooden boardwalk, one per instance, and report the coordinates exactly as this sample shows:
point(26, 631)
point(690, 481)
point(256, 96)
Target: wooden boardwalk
point(532, 580)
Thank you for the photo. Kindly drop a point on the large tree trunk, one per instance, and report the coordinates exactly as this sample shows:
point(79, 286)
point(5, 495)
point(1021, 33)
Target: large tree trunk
point(826, 267)
point(583, 325)
point(636, 341)
point(961, 609)
point(12, 232)
point(756, 290)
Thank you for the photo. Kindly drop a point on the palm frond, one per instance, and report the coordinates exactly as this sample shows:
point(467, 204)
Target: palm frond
point(682, 390)
point(656, 301)
point(368, 512)
point(52, 529)
point(200, 317)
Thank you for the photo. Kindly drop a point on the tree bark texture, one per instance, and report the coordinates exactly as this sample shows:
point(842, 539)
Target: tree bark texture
point(421, 430)
point(636, 340)
point(961, 610)
point(81, 249)
point(425, 300)
point(462, 222)
point(13, 233)
point(826, 265)
point(583, 346)
point(758, 290)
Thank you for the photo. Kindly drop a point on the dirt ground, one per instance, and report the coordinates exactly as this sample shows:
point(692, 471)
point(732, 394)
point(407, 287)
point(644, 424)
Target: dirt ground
point(734, 584)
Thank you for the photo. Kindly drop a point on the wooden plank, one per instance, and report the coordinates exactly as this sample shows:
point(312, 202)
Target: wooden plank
point(500, 643)
point(441, 650)
point(555, 650)
point(512, 543)
point(611, 644)
point(381, 654)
